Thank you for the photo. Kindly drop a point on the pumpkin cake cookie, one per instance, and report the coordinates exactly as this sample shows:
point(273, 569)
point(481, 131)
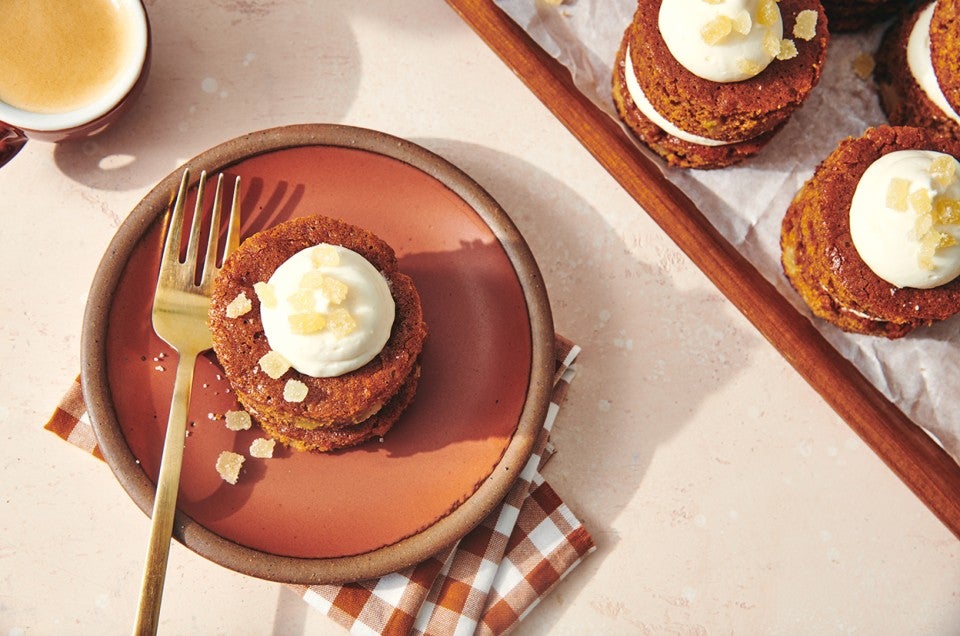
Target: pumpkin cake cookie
point(917, 68)
point(318, 332)
point(706, 84)
point(872, 241)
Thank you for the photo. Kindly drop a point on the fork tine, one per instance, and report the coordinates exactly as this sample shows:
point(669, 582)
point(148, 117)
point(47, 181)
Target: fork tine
point(233, 228)
point(192, 246)
point(171, 245)
point(210, 259)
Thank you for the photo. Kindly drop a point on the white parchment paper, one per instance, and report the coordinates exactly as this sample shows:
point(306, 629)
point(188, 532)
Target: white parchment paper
point(921, 372)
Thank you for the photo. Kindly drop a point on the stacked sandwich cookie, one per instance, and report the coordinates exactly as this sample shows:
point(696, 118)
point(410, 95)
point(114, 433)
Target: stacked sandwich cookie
point(918, 68)
point(872, 241)
point(706, 84)
point(318, 332)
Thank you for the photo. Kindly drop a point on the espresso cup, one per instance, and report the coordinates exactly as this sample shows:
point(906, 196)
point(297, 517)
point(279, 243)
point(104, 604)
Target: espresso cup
point(68, 69)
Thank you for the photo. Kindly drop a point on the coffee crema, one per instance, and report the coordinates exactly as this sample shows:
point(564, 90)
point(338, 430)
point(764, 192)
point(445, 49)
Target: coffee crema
point(58, 56)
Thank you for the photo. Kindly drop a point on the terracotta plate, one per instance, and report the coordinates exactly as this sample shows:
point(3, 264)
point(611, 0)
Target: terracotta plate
point(359, 513)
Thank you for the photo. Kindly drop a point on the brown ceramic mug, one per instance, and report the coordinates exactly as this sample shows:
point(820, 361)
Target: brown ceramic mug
point(69, 68)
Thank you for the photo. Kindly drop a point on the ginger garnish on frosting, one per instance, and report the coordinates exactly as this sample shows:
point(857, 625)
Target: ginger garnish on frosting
point(737, 40)
point(905, 218)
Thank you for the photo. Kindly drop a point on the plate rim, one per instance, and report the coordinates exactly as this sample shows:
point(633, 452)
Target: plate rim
point(410, 550)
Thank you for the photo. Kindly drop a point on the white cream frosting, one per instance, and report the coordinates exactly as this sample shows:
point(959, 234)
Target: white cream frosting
point(681, 21)
point(325, 353)
point(921, 66)
point(644, 106)
point(885, 238)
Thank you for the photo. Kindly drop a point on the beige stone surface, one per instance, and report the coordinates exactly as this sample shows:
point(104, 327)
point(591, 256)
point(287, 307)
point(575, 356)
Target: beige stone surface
point(724, 495)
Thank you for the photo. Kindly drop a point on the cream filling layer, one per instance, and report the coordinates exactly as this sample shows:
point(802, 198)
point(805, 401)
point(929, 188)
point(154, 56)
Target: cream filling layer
point(921, 66)
point(644, 106)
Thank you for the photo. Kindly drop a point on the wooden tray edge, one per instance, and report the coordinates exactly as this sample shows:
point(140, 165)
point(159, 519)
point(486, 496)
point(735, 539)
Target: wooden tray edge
point(912, 454)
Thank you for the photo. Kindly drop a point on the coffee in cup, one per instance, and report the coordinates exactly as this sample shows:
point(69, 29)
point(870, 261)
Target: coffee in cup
point(67, 69)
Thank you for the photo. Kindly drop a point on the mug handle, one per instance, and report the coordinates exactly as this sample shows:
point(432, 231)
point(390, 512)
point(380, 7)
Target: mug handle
point(11, 141)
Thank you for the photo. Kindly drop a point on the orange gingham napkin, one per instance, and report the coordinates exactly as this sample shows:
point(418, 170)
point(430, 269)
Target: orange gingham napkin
point(484, 584)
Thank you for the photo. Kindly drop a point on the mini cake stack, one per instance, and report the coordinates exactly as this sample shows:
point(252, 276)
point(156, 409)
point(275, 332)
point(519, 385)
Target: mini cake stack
point(918, 68)
point(706, 84)
point(854, 15)
point(872, 241)
point(318, 332)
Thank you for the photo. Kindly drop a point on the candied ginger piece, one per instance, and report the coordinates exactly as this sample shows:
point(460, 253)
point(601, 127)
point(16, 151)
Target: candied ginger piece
point(294, 391)
point(713, 1)
point(788, 50)
point(715, 30)
point(863, 65)
point(946, 210)
point(768, 13)
point(262, 448)
point(334, 290)
point(947, 240)
point(274, 364)
point(302, 300)
point(771, 43)
point(266, 293)
point(228, 465)
point(805, 27)
point(341, 322)
point(897, 193)
point(239, 306)
point(312, 279)
point(748, 67)
point(921, 202)
point(325, 256)
point(742, 22)
point(237, 420)
point(928, 246)
point(923, 226)
point(307, 323)
point(944, 170)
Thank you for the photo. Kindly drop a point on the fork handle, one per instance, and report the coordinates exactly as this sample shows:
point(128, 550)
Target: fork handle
point(165, 500)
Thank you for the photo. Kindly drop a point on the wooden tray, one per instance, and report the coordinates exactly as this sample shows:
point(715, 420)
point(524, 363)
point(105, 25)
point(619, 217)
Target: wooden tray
point(922, 464)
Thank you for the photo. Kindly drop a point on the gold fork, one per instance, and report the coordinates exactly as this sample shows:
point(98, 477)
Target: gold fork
point(180, 309)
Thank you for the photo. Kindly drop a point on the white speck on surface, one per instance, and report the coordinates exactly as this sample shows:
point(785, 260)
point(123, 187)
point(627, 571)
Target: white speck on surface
point(733, 515)
point(834, 555)
point(603, 405)
point(17, 631)
point(209, 85)
point(826, 535)
point(689, 594)
point(700, 521)
point(102, 601)
point(224, 94)
point(116, 161)
point(604, 315)
point(158, 368)
point(832, 451)
point(805, 448)
point(248, 58)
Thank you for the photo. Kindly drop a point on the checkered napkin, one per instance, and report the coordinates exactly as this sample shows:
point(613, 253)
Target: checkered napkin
point(484, 584)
